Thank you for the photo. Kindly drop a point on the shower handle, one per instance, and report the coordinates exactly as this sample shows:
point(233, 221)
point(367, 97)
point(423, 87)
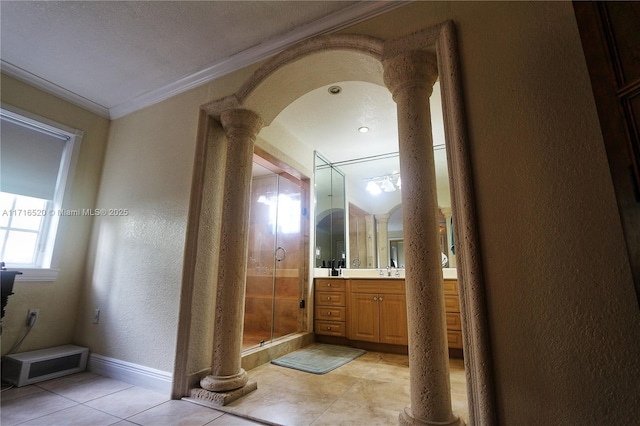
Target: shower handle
point(281, 253)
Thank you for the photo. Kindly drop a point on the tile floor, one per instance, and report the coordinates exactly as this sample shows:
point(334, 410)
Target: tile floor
point(370, 390)
point(92, 400)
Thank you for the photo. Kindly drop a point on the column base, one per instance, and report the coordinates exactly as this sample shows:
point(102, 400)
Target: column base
point(207, 397)
point(225, 383)
point(407, 419)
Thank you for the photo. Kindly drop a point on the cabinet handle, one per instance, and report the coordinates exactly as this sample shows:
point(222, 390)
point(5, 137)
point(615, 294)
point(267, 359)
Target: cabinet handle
point(380, 298)
point(328, 284)
point(375, 298)
point(329, 313)
point(328, 327)
point(328, 297)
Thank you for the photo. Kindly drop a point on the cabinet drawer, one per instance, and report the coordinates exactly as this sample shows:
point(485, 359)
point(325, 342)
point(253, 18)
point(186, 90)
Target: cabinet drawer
point(330, 284)
point(330, 328)
point(453, 322)
point(451, 304)
point(388, 286)
point(325, 298)
point(454, 338)
point(332, 313)
point(450, 286)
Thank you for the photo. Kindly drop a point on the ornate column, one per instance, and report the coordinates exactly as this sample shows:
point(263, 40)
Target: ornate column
point(371, 243)
point(228, 381)
point(410, 77)
point(382, 220)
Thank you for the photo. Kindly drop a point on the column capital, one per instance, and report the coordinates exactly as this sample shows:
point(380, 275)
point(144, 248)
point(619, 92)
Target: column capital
point(416, 69)
point(241, 122)
point(382, 218)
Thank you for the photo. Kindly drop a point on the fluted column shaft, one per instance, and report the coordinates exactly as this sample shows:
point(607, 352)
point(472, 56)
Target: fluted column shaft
point(241, 127)
point(410, 77)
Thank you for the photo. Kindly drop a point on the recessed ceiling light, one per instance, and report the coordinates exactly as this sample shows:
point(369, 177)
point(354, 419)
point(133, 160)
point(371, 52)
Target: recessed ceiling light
point(363, 129)
point(334, 90)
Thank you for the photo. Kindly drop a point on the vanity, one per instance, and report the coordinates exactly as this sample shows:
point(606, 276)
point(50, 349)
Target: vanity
point(371, 313)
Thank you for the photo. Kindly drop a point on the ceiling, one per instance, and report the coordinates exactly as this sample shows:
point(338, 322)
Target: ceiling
point(114, 57)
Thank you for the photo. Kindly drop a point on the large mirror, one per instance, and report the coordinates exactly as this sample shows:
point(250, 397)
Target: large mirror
point(354, 127)
point(330, 247)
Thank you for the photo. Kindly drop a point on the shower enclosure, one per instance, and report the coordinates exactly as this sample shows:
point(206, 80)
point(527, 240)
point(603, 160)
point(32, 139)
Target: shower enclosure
point(276, 261)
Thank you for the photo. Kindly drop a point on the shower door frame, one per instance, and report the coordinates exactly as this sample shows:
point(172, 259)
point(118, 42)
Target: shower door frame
point(284, 171)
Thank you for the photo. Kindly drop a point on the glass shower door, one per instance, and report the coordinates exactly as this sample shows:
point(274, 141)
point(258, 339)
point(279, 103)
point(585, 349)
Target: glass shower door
point(275, 261)
point(288, 260)
point(258, 311)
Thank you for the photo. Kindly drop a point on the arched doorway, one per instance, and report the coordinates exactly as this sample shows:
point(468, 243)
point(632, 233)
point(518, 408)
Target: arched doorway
point(321, 61)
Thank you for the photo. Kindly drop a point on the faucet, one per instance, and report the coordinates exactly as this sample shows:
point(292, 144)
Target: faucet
point(388, 271)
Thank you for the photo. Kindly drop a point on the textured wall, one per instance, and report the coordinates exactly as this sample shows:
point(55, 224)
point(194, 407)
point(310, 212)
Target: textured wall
point(135, 272)
point(57, 300)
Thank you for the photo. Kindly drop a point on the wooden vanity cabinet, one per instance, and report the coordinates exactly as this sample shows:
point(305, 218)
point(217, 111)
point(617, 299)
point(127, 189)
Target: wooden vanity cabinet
point(378, 311)
point(452, 312)
point(330, 307)
point(375, 310)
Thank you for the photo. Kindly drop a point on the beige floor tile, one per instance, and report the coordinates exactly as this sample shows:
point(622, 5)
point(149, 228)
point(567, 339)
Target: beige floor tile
point(370, 390)
point(31, 407)
point(67, 380)
point(230, 420)
point(281, 405)
point(395, 359)
point(14, 392)
point(76, 415)
point(176, 413)
point(345, 413)
point(87, 390)
point(383, 372)
point(315, 385)
point(372, 393)
point(128, 402)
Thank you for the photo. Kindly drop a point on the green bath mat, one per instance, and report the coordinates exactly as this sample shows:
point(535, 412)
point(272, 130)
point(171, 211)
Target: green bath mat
point(319, 359)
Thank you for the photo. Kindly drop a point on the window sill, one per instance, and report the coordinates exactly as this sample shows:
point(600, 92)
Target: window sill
point(35, 274)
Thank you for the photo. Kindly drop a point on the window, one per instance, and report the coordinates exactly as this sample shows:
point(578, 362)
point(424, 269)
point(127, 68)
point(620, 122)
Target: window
point(37, 159)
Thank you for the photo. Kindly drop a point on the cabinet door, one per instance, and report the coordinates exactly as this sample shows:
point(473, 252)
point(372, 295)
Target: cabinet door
point(393, 319)
point(363, 317)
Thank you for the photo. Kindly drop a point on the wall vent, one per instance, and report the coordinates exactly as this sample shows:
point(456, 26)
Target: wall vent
point(36, 366)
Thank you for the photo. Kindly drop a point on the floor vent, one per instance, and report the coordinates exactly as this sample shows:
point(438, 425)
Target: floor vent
point(31, 367)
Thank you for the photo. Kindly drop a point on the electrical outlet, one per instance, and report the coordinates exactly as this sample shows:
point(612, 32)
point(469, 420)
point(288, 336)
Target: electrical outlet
point(96, 316)
point(32, 316)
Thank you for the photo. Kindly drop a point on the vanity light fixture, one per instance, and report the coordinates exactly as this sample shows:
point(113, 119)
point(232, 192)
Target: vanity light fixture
point(373, 188)
point(387, 186)
point(376, 185)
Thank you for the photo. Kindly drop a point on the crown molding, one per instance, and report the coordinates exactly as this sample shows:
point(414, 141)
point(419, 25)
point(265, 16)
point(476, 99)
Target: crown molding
point(331, 23)
point(49, 87)
point(337, 21)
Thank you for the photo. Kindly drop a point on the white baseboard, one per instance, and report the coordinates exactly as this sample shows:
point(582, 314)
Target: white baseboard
point(138, 375)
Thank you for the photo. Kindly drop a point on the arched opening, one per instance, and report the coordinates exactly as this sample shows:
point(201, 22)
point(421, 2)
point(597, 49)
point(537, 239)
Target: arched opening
point(313, 64)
